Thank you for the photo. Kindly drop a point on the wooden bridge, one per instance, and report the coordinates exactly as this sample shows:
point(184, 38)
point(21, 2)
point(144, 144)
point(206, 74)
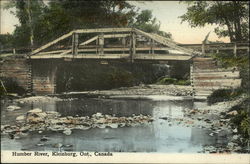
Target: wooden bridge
point(113, 43)
point(127, 44)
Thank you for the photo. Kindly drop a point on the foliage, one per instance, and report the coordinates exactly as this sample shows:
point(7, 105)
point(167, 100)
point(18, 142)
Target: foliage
point(242, 119)
point(43, 22)
point(241, 61)
point(232, 17)
point(168, 80)
point(146, 22)
point(12, 86)
point(6, 41)
point(223, 95)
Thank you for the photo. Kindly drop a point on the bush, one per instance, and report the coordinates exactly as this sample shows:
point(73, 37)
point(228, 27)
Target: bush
point(242, 121)
point(12, 86)
point(168, 80)
point(183, 82)
point(223, 95)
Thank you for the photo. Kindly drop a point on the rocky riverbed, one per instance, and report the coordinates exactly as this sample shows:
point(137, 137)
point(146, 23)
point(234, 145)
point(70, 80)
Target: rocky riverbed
point(142, 90)
point(214, 118)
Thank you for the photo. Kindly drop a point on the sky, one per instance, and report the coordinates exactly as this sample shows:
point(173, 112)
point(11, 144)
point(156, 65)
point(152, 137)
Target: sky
point(167, 12)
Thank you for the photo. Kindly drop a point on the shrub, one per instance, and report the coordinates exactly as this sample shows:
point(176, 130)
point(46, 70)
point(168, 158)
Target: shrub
point(223, 95)
point(168, 80)
point(12, 86)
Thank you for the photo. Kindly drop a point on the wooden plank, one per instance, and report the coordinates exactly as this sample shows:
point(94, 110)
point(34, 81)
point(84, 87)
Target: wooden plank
point(101, 30)
point(74, 43)
point(216, 71)
point(218, 80)
point(123, 49)
point(51, 52)
point(162, 57)
point(132, 46)
point(101, 44)
point(118, 56)
point(216, 74)
point(51, 43)
point(88, 41)
point(116, 35)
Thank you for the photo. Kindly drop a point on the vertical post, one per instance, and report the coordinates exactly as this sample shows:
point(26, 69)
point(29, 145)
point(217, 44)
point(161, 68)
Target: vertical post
point(235, 49)
point(14, 51)
point(132, 46)
point(123, 43)
point(203, 48)
point(74, 44)
point(30, 76)
point(192, 79)
point(101, 44)
point(152, 46)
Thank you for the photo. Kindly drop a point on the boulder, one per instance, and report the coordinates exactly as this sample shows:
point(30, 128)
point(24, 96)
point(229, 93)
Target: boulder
point(36, 110)
point(232, 113)
point(20, 118)
point(36, 115)
point(12, 108)
point(67, 131)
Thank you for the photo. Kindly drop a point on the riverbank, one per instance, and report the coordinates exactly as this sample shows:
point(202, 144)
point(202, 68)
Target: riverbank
point(139, 91)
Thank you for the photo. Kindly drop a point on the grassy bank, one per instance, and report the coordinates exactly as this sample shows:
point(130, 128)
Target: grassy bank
point(241, 118)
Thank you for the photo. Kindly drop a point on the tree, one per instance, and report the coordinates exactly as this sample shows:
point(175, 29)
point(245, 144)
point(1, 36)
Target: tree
point(29, 13)
point(146, 22)
point(232, 17)
point(44, 22)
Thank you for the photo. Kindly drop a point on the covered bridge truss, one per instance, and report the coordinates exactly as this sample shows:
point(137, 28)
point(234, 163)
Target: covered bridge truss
point(113, 43)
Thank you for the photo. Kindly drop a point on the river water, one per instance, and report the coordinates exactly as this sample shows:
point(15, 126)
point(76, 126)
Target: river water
point(159, 136)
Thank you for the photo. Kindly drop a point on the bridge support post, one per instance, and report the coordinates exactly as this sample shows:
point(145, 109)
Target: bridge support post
point(75, 44)
point(101, 44)
point(152, 46)
point(235, 49)
point(132, 46)
point(203, 48)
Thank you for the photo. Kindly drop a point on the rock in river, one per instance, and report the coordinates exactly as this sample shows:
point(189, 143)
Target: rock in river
point(67, 132)
point(36, 116)
point(20, 118)
point(12, 108)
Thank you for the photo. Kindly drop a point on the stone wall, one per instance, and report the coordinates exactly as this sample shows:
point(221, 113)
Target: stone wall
point(44, 76)
point(207, 76)
point(16, 69)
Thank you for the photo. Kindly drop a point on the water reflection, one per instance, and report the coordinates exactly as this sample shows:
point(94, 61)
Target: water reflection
point(159, 136)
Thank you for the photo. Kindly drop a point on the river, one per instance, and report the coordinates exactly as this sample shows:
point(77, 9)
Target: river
point(162, 135)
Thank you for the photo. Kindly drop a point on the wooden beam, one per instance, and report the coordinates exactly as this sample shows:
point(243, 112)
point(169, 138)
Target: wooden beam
point(166, 41)
point(116, 35)
point(88, 41)
point(101, 44)
point(161, 57)
point(102, 30)
point(74, 43)
point(157, 57)
point(235, 49)
point(51, 52)
point(132, 46)
point(203, 48)
point(51, 43)
point(81, 44)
